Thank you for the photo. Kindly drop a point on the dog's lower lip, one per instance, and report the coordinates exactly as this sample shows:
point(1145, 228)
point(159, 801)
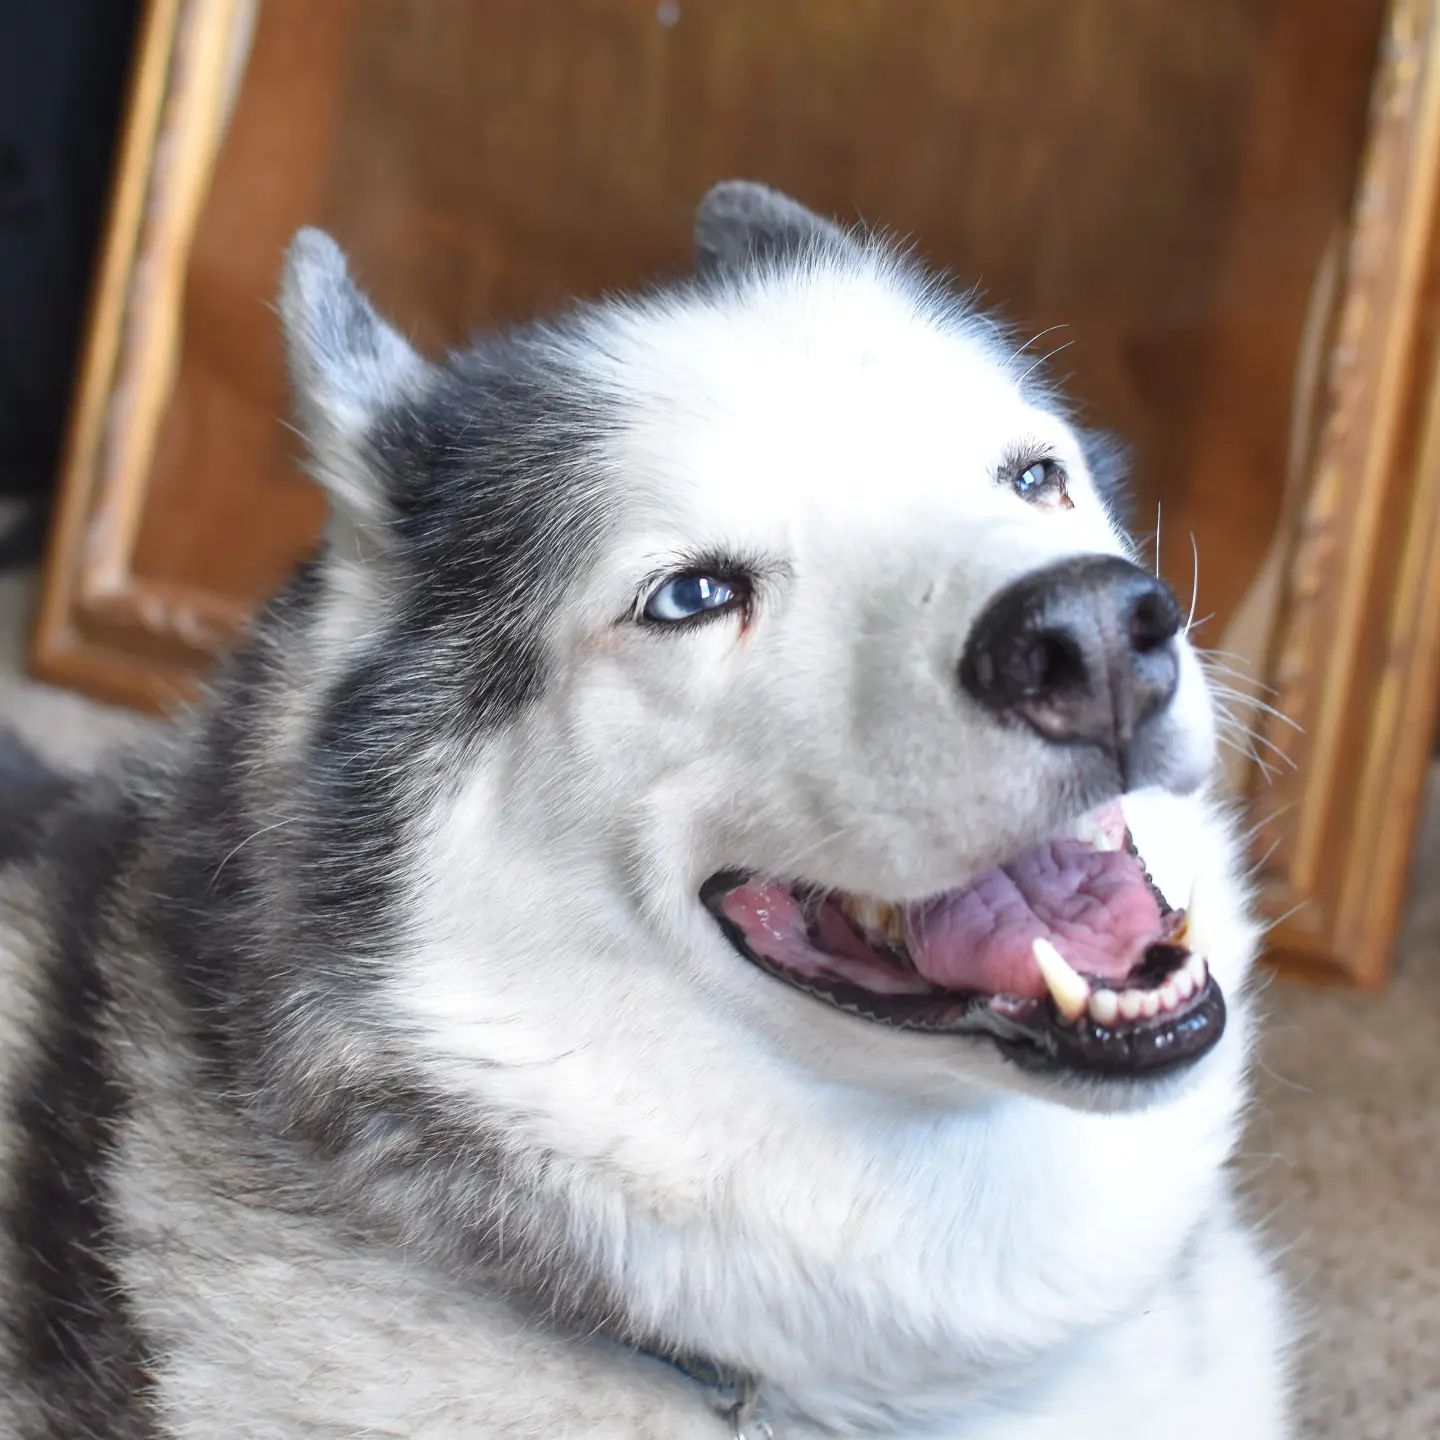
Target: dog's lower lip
point(1030, 1031)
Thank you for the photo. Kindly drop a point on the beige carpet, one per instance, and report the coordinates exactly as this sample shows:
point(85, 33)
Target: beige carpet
point(1342, 1155)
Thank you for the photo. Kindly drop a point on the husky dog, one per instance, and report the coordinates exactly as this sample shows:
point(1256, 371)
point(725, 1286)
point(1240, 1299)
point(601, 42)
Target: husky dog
point(696, 915)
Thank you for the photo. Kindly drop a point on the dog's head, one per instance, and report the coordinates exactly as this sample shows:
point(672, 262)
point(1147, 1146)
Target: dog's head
point(763, 649)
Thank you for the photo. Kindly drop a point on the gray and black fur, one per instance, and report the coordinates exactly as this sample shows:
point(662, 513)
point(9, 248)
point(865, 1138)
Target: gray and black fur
point(223, 898)
point(252, 862)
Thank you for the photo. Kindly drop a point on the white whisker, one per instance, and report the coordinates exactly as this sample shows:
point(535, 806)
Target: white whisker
point(1295, 909)
point(1257, 865)
point(1048, 330)
point(1255, 703)
point(1269, 819)
point(263, 830)
point(1250, 753)
point(1049, 355)
point(1194, 581)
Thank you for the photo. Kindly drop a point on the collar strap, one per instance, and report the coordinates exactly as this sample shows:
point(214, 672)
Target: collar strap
point(736, 1397)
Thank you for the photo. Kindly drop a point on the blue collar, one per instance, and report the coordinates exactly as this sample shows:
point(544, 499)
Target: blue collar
point(734, 1395)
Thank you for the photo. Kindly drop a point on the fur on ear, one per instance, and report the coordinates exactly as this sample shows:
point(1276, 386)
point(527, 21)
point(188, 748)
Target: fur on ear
point(740, 222)
point(347, 367)
point(1108, 458)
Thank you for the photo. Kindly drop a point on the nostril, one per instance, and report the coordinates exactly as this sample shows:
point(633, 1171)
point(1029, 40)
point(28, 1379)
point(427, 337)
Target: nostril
point(1053, 663)
point(1027, 664)
point(1154, 621)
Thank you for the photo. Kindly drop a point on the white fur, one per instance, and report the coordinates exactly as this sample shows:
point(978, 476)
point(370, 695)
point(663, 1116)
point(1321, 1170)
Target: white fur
point(900, 1235)
point(896, 1231)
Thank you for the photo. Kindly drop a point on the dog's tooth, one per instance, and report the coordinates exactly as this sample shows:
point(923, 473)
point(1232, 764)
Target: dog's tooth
point(875, 917)
point(865, 912)
point(1093, 833)
point(1132, 1004)
point(1184, 982)
point(1196, 968)
point(1068, 988)
point(1150, 1003)
point(1104, 1007)
point(895, 925)
point(1191, 933)
point(1169, 999)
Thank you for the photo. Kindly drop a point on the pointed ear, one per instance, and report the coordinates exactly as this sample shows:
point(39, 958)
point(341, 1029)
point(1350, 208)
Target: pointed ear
point(347, 367)
point(741, 222)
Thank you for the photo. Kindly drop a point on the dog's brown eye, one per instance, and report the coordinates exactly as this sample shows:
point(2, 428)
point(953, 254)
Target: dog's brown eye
point(1042, 480)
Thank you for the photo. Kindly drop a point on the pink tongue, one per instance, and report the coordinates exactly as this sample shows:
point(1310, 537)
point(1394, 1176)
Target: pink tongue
point(1094, 906)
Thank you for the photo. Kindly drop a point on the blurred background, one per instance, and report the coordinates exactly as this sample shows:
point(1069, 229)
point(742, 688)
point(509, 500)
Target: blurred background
point(1215, 225)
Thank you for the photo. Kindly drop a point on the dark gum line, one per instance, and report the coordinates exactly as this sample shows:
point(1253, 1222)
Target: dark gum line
point(1044, 1042)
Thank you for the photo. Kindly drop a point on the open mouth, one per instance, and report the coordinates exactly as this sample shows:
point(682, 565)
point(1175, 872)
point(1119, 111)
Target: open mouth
point(1067, 956)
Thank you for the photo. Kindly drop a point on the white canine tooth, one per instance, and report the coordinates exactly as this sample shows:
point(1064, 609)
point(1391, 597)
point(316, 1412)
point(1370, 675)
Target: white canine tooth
point(1092, 832)
point(1150, 1003)
point(1168, 998)
point(1104, 1007)
point(1132, 1004)
point(1184, 982)
point(1197, 913)
point(1069, 989)
point(875, 915)
point(1195, 967)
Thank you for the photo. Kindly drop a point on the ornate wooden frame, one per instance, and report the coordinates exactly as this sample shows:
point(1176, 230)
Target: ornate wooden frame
point(1354, 656)
point(101, 627)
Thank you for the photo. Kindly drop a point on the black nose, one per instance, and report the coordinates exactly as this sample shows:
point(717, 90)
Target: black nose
point(1083, 652)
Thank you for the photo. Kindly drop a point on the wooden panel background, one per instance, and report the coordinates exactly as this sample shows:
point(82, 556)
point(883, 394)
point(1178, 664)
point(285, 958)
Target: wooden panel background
point(1169, 192)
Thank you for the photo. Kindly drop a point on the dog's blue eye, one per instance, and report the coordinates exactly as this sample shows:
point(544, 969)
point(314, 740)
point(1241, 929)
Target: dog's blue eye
point(1034, 478)
point(1039, 479)
point(684, 597)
